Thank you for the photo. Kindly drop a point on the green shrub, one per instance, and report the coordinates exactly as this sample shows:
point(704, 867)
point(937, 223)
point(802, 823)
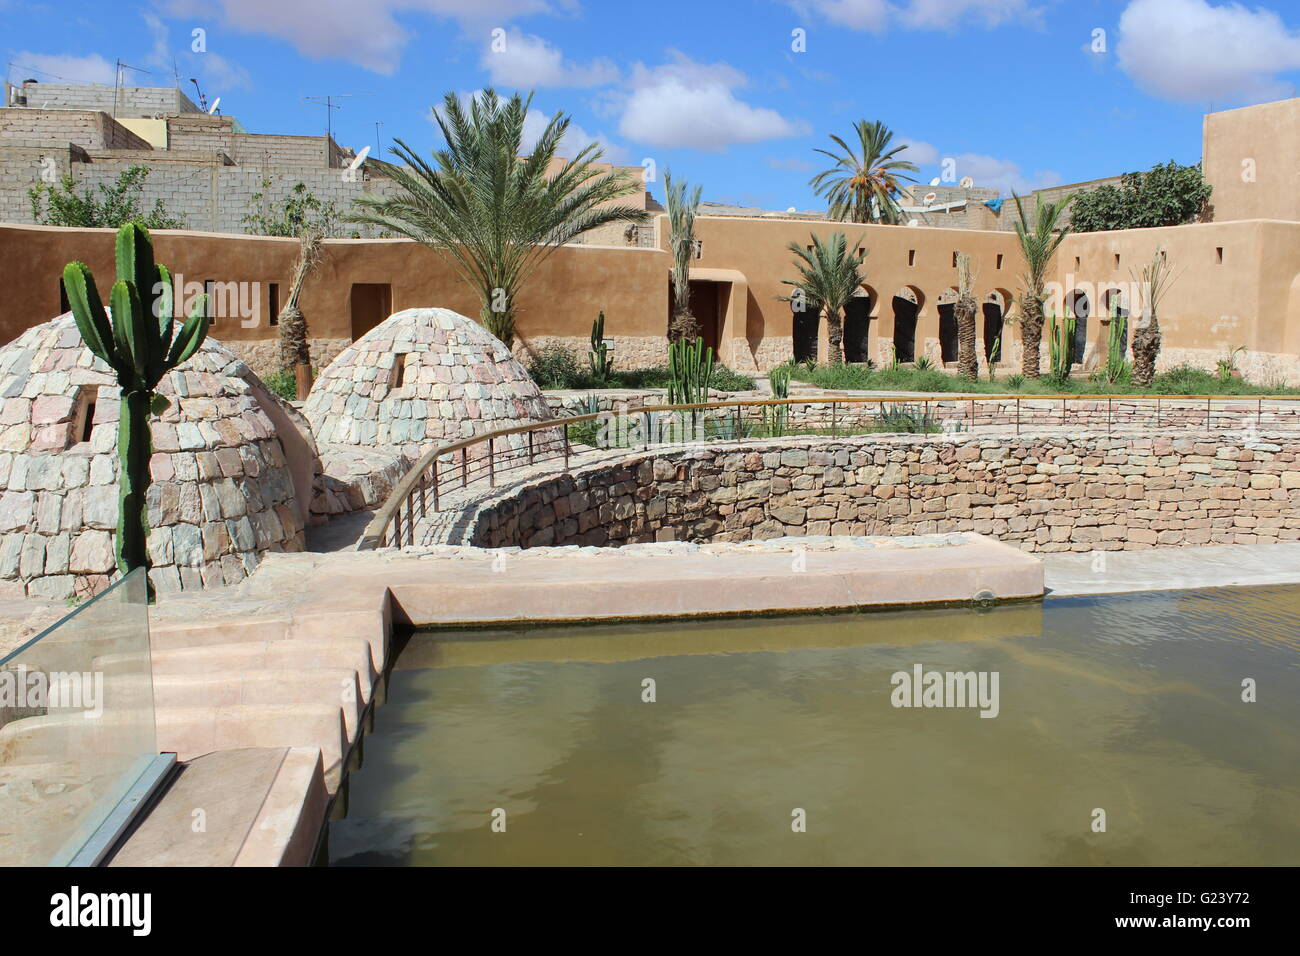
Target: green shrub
point(557, 367)
point(282, 383)
point(1014, 382)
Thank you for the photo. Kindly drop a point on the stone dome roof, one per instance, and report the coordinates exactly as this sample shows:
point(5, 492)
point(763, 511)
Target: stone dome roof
point(224, 491)
point(421, 378)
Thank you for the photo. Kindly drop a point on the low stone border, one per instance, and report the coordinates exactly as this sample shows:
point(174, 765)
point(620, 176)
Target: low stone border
point(1043, 493)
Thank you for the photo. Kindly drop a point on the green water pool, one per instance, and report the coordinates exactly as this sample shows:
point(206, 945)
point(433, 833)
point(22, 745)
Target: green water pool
point(777, 741)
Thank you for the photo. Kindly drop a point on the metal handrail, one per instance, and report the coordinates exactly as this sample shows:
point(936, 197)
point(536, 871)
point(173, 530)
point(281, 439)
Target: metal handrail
point(411, 492)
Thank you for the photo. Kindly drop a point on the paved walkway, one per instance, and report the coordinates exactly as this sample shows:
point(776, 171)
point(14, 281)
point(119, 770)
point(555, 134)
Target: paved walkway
point(1172, 569)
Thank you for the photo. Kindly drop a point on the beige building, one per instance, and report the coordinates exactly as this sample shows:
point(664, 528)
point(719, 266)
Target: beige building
point(1238, 278)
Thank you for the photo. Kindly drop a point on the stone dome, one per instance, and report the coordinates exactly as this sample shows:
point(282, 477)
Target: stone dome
point(421, 378)
point(232, 474)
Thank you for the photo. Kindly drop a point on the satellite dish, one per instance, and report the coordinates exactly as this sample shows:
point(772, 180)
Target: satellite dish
point(361, 157)
point(967, 183)
point(792, 209)
point(913, 222)
point(215, 104)
point(935, 181)
point(929, 198)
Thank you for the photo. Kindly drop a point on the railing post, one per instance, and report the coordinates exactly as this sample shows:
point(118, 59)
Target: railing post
point(646, 442)
point(1108, 419)
point(464, 466)
point(834, 417)
point(530, 448)
point(397, 527)
point(1157, 412)
point(1017, 416)
point(972, 414)
point(566, 446)
point(435, 483)
point(410, 521)
point(424, 477)
point(1259, 414)
point(1207, 414)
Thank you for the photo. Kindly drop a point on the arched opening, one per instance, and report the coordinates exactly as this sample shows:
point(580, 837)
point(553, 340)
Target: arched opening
point(857, 326)
point(804, 324)
point(906, 304)
point(1080, 307)
point(947, 305)
point(1114, 308)
point(994, 309)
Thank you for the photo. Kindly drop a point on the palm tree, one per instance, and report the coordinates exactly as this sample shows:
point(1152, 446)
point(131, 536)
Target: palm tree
point(828, 278)
point(1156, 280)
point(681, 242)
point(964, 313)
point(493, 213)
point(1038, 243)
point(863, 186)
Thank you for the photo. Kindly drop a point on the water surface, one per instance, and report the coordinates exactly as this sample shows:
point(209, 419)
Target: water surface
point(1130, 704)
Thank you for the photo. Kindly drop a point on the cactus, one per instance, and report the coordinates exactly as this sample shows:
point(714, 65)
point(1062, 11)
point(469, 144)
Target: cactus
point(140, 347)
point(1116, 364)
point(598, 357)
point(690, 365)
point(1059, 345)
point(779, 379)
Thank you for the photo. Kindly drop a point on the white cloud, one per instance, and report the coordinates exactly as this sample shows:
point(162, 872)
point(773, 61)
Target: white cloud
point(918, 151)
point(689, 104)
point(366, 34)
point(791, 165)
point(575, 137)
point(64, 67)
point(876, 16)
point(524, 62)
point(217, 73)
point(1190, 51)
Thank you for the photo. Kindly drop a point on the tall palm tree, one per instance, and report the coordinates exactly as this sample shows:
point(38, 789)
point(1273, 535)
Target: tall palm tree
point(864, 185)
point(964, 313)
point(681, 242)
point(1156, 280)
point(828, 278)
point(493, 213)
point(1039, 241)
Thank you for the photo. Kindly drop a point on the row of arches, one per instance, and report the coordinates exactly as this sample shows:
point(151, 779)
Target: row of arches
point(906, 307)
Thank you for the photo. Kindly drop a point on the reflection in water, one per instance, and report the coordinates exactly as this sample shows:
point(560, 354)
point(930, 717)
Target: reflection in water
point(1127, 703)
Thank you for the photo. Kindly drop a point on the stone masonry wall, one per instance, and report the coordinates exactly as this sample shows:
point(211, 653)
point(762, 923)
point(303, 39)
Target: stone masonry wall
point(1044, 493)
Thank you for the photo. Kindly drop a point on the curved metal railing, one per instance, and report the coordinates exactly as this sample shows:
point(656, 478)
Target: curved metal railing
point(455, 466)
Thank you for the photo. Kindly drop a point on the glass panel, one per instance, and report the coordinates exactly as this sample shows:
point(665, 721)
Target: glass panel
point(76, 725)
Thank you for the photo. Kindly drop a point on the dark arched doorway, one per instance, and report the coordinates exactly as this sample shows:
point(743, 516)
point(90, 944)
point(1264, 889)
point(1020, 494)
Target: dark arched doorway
point(906, 307)
point(1080, 307)
point(857, 328)
point(994, 312)
point(804, 323)
point(948, 346)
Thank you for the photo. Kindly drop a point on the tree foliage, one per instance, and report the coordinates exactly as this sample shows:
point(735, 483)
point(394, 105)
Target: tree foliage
point(1167, 195)
point(492, 212)
point(106, 207)
point(865, 183)
point(297, 214)
point(829, 275)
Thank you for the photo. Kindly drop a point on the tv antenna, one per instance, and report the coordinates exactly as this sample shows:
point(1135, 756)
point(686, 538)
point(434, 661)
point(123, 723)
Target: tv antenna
point(117, 80)
point(379, 149)
point(330, 106)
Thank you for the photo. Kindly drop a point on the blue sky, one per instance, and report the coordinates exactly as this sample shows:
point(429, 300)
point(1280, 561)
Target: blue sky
point(1011, 90)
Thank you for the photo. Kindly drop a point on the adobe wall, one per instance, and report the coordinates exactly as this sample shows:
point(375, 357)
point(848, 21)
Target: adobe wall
point(1045, 493)
point(1249, 158)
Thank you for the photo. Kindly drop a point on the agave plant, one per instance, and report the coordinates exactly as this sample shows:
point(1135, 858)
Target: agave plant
point(864, 184)
point(829, 275)
point(140, 345)
point(1039, 241)
point(495, 214)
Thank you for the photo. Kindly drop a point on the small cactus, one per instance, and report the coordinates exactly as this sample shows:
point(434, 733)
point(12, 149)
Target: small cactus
point(690, 366)
point(598, 357)
point(140, 345)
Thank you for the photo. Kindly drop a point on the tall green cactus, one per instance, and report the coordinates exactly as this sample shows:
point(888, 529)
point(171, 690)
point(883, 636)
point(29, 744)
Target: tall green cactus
point(690, 366)
point(598, 357)
point(1060, 343)
point(140, 347)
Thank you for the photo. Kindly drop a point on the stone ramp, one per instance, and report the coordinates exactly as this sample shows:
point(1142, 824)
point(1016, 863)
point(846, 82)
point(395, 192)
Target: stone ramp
point(246, 807)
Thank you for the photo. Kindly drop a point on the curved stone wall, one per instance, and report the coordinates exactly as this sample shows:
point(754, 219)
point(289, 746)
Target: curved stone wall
point(1044, 493)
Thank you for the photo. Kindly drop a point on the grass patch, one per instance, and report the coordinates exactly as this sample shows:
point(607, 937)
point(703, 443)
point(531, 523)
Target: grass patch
point(1183, 380)
point(558, 368)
